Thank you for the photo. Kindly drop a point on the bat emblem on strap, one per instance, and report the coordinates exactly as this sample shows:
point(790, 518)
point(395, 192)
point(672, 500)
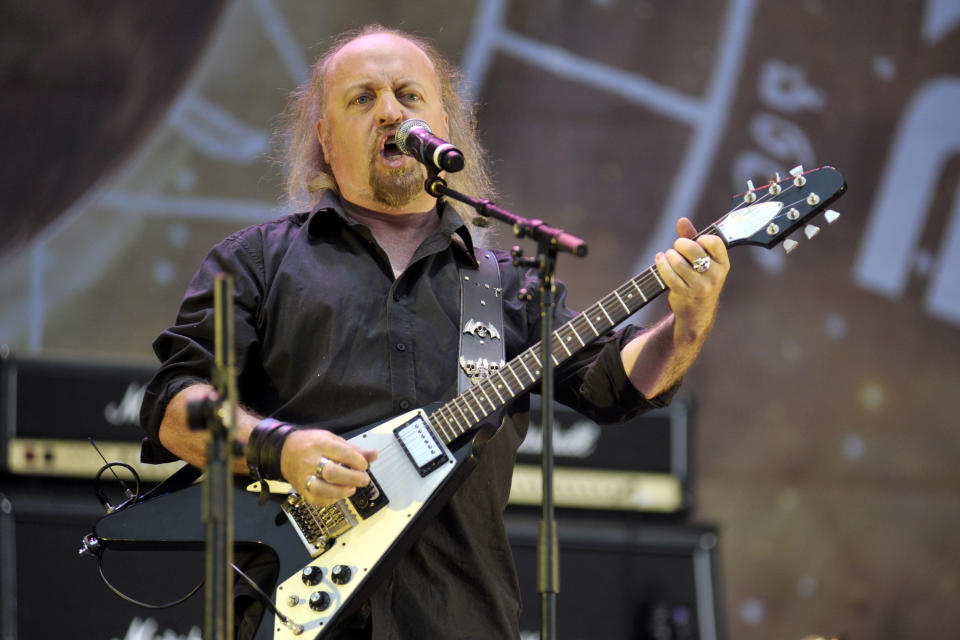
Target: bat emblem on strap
point(481, 330)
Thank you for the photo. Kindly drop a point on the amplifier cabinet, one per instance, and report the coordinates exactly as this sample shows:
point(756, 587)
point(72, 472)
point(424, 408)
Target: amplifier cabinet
point(49, 408)
point(623, 580)
point(48, 591)
point(645, 464)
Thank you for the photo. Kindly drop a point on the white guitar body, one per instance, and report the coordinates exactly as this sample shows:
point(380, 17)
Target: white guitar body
point(338, 574)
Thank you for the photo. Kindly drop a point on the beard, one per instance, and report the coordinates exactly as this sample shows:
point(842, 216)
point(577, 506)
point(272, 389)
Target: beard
point(396, 187)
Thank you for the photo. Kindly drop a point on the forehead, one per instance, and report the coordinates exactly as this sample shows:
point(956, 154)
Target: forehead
point(379, 58)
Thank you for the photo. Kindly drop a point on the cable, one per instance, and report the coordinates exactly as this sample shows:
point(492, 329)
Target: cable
point(138, 602)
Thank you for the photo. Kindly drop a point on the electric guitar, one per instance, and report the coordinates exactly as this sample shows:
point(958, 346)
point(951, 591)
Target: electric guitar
point(332, 558)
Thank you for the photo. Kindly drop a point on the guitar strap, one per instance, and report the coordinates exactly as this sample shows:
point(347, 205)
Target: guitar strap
point(481, 314)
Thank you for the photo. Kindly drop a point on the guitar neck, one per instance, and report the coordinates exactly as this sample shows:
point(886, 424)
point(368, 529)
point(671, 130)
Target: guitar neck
point(466, 411)
point(762, 217)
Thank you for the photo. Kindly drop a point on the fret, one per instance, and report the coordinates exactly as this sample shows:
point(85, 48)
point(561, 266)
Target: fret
point(467, 402)
point(515, 376)
point(657, 276)
point(440, 426)
point(457, 426)
point(609, 319)
point(493, 406)
point(507, 385)
point(524, 364)
point(532, 352)
point(639, 290)
point(560, 339)
point(466, 420)
point(622, 303)
point(593, 328)
point(554, 358)
point(577, 333)
point(494, 387)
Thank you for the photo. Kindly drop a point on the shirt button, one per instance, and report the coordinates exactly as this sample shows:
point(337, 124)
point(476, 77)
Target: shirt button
point(404, 404)
point(401, 346)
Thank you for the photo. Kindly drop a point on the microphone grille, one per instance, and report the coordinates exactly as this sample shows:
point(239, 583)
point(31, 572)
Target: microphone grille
point(403, 131)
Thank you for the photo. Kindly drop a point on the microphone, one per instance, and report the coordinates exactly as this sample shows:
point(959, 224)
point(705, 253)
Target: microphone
point(415, 138)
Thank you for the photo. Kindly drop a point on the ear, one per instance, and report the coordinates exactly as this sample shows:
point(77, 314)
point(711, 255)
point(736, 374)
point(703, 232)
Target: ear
point(321, 129)
point(446, 124)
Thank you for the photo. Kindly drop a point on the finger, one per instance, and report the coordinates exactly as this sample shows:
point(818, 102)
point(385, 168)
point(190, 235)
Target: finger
point(667, 265)
point(324, 493)
point(689, 249)
point(715, 247)
point(685, 228)
point(347, 454)
point(335, 473)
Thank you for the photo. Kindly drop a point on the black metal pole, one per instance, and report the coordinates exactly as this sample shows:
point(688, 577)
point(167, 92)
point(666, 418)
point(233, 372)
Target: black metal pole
point(217, 490)
point(548, 560)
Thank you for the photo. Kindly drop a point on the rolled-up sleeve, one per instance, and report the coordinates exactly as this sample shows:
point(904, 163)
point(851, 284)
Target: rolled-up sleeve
point(186, 349)
point(593, 380)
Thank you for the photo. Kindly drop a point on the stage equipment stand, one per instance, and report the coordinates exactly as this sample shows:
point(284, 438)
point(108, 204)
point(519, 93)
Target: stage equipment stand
point(549, 242)
point(218, 415)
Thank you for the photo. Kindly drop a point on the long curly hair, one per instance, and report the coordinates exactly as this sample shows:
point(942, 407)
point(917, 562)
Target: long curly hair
point(307, 173)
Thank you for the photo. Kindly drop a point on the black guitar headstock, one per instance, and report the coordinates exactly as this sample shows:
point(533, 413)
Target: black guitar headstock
point(765, 216)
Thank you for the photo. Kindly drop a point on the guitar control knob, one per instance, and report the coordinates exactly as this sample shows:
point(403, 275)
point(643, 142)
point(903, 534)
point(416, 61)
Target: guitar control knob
point(341, 574)
point(311, 576)
point(319, 600)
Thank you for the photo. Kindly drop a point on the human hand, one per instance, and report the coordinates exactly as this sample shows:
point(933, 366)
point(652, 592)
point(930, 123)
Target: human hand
point(324, 467)
point(694, 291)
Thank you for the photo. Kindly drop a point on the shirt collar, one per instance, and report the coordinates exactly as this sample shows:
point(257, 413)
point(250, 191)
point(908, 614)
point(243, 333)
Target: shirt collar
point(329, 209)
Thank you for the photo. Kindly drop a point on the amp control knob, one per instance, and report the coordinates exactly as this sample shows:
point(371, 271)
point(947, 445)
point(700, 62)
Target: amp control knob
point(319, 600)
point(340, 574)
point(311, 576)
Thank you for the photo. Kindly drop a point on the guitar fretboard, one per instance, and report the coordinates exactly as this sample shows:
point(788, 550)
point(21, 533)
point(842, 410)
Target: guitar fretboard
point(467, 410)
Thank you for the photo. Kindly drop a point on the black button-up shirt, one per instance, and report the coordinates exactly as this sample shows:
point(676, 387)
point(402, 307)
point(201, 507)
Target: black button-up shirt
point(326, 336)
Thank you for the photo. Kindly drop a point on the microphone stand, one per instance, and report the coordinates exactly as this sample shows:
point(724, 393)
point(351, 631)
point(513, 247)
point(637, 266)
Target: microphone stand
point(218, 415)
point(549, 242)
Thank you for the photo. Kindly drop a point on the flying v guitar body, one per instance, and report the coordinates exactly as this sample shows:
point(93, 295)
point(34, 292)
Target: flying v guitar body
point(330, 558)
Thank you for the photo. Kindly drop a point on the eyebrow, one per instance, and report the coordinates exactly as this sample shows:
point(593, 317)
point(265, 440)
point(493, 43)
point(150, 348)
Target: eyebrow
point(369, 84)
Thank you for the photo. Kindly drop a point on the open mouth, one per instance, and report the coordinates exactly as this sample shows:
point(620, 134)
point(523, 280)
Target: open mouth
point(390, 148)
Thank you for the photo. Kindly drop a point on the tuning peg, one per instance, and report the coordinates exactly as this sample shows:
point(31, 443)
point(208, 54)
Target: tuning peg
point(830, 216)
point(749, 196)
point(810, 231)
point(789, 245)
point(775, 185)
point(797, 173)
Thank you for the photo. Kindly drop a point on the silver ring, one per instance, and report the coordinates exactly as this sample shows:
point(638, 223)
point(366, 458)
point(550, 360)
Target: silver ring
point(309, 480)
point(324, 461)
point(701, 264)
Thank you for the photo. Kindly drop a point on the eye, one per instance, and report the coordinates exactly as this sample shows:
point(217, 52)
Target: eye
point(362, 99)
point(410, 97)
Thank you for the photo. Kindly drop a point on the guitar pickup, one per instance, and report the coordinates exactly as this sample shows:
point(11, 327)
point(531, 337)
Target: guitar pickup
point(421, 445)
point(369, 499)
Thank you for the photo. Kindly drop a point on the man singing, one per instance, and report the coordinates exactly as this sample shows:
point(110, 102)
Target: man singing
point(349, 313)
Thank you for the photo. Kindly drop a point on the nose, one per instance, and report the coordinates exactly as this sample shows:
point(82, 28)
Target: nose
point(390, 110)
